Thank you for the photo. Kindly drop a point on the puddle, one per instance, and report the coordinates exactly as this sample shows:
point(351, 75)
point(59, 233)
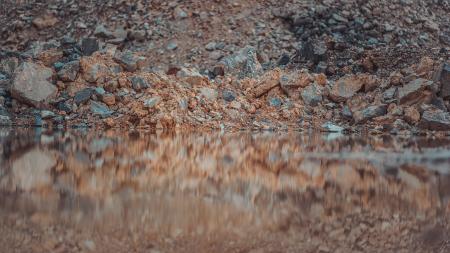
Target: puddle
point(238, 192)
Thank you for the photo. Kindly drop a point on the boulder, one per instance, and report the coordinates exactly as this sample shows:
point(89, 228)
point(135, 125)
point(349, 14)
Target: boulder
point(370, 112)
point(414, 91)
point(312, 95)
point(31, 84)
point(69, 71)
point(99, 108)
point(345, 88)
point(435, 119)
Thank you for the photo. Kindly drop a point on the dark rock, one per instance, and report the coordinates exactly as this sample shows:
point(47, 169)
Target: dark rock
point(64, 106)
point(435, 119)
point(312, 95)
point(83, 96)
point(444, 79)
point(128, 60)
point(138, 83)
point(284, 60)
point(99, 108)
point(439, 103)
point(321, 67)
point(69, 71)
point(89, 46)
point(31, 84)
point(314, 51)
point(218, 70)
point(346, 112)
point(369, 113)
point(413, 92)
point(228, 95)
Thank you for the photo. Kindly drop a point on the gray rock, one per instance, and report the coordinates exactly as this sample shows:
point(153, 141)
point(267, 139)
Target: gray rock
point(346, 112)
point(314, 51)
point(369, 113)
point(138, 83)
point(444, 78)
point(245, 63)
point(89, 46)
point(101, 32)
point(211, 46)
point(152, 102)
point(172, 45)
point(69, 71)
point(3, 80)
point(389, 95)
point(435, 119)
point(413, 91)
point(312, 95)
point(31, 84)
point(45, 114)
point(128, 60)
point(83, 96)
point(330, 127)
point(5, 120)
point(275, 101)
point(228, 95)
point(99, 108)
point(8, 66)
point(209, 93)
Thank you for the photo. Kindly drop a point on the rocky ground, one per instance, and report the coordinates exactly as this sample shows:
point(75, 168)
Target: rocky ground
point(330, 65)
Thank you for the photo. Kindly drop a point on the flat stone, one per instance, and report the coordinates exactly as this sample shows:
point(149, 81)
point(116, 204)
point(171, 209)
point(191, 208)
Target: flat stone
point(370, 113)
point(312, 95)
point(413, 91)
point(83, 96)
point(389, 95)
point(330, 127)
point(69, 71)
point(99, 108)
point(89, 46)
point(31, 84)
point(435, 119)
point(345, 88)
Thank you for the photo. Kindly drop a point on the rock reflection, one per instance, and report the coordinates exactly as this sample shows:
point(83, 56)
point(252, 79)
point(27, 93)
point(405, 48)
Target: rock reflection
point(197, 184)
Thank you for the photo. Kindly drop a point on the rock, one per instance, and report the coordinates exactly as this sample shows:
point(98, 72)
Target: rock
point(275, 101)
point(101, 32)
point(211, 46)
point(435, 119)
point(346, 112)
point(69, 71)
point(330, 127)
point(267, 82)
point(5, 120)
point(414, 91)
point(291, 82)
point(370, 113)
point(31, 84)
point(33, 169)
point(8, 66)
point(151, 102)
point(3, 80)
point(138, 83)
point(179, 13)
point(245, 63)
point(172, 45)
point(98, 108)
point(389, 95)
point(83, 96)
point(191, 76)
point(396, 78)
point(128, 60)
point(314, 51)
point(45, 114)
point(218, 70)
point(411, 115)
point(444, 79)
point(345, 88)
point(284, 60)
point(45, 21)
point(64, 106)
point(209, 93)
point(228, 95)
point(89, 46)
point(109, 99)
point(92, 71)
point(312, 95)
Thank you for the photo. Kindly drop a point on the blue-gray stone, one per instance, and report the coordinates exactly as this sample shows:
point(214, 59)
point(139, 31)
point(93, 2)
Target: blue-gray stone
point(138, 83)
point(275, 102)
point(99, 108)
point(83, 96)
point(228, 95)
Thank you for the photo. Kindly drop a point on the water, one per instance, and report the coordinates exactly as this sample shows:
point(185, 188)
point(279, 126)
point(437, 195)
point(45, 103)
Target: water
point(84, 191)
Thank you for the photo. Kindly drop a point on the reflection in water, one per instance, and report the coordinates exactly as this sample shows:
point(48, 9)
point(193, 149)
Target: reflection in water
point(188, 185)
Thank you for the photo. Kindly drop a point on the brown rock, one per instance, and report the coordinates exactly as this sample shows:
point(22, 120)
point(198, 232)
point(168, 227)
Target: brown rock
point(412, 115)
point(346, 87)
point(32, 84)
point(267, 82)
point(396, 78)
point(415, 91)
point(425, 66)
point(109, 99)
point(291, 82)
point(93, 71)
point(45, 21)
